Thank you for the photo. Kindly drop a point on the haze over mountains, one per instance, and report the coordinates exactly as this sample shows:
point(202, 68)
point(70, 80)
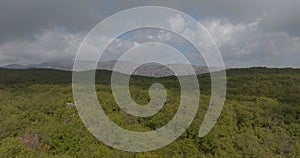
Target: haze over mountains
point(149, 69)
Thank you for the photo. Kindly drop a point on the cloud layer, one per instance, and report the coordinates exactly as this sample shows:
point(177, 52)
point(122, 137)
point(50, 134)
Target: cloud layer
point(248, 33)
point(246, 45)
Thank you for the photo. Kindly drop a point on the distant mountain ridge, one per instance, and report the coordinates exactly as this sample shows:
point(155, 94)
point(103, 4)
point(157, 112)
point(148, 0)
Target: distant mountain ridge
point(149, 69)
point(14, 66)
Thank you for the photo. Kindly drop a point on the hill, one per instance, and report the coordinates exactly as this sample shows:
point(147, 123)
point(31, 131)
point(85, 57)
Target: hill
point(150, 69)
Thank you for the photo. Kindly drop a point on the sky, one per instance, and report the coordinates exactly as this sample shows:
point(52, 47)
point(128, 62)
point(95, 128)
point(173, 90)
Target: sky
point(248, 33)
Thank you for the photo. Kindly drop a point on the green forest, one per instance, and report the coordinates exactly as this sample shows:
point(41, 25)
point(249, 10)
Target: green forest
point(260, 118)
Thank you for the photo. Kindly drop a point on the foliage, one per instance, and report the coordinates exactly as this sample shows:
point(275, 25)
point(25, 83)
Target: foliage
point(260, 117)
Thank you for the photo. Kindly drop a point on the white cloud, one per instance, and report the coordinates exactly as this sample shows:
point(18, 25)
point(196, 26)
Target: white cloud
point(176, 23)
point(57, 44)
point(247, 45)
point(164, 36)
point(241, 44)
point(46, 46)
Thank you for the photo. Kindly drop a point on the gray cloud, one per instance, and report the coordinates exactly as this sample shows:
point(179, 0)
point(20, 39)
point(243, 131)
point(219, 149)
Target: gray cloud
point(48, 45)
point(22, 18)
point(249, 32)
point(246, 45)
point(275, 15)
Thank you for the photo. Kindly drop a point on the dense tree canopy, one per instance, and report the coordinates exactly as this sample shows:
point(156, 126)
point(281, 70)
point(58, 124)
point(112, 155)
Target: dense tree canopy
point(260, 117)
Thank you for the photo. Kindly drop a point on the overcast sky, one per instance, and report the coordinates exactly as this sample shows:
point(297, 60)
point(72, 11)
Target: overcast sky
point(247, 32)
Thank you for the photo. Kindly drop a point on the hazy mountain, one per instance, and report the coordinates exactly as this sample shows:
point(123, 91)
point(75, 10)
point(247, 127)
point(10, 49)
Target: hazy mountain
point(149, 69)
point(14, 66)
point(60, 65)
